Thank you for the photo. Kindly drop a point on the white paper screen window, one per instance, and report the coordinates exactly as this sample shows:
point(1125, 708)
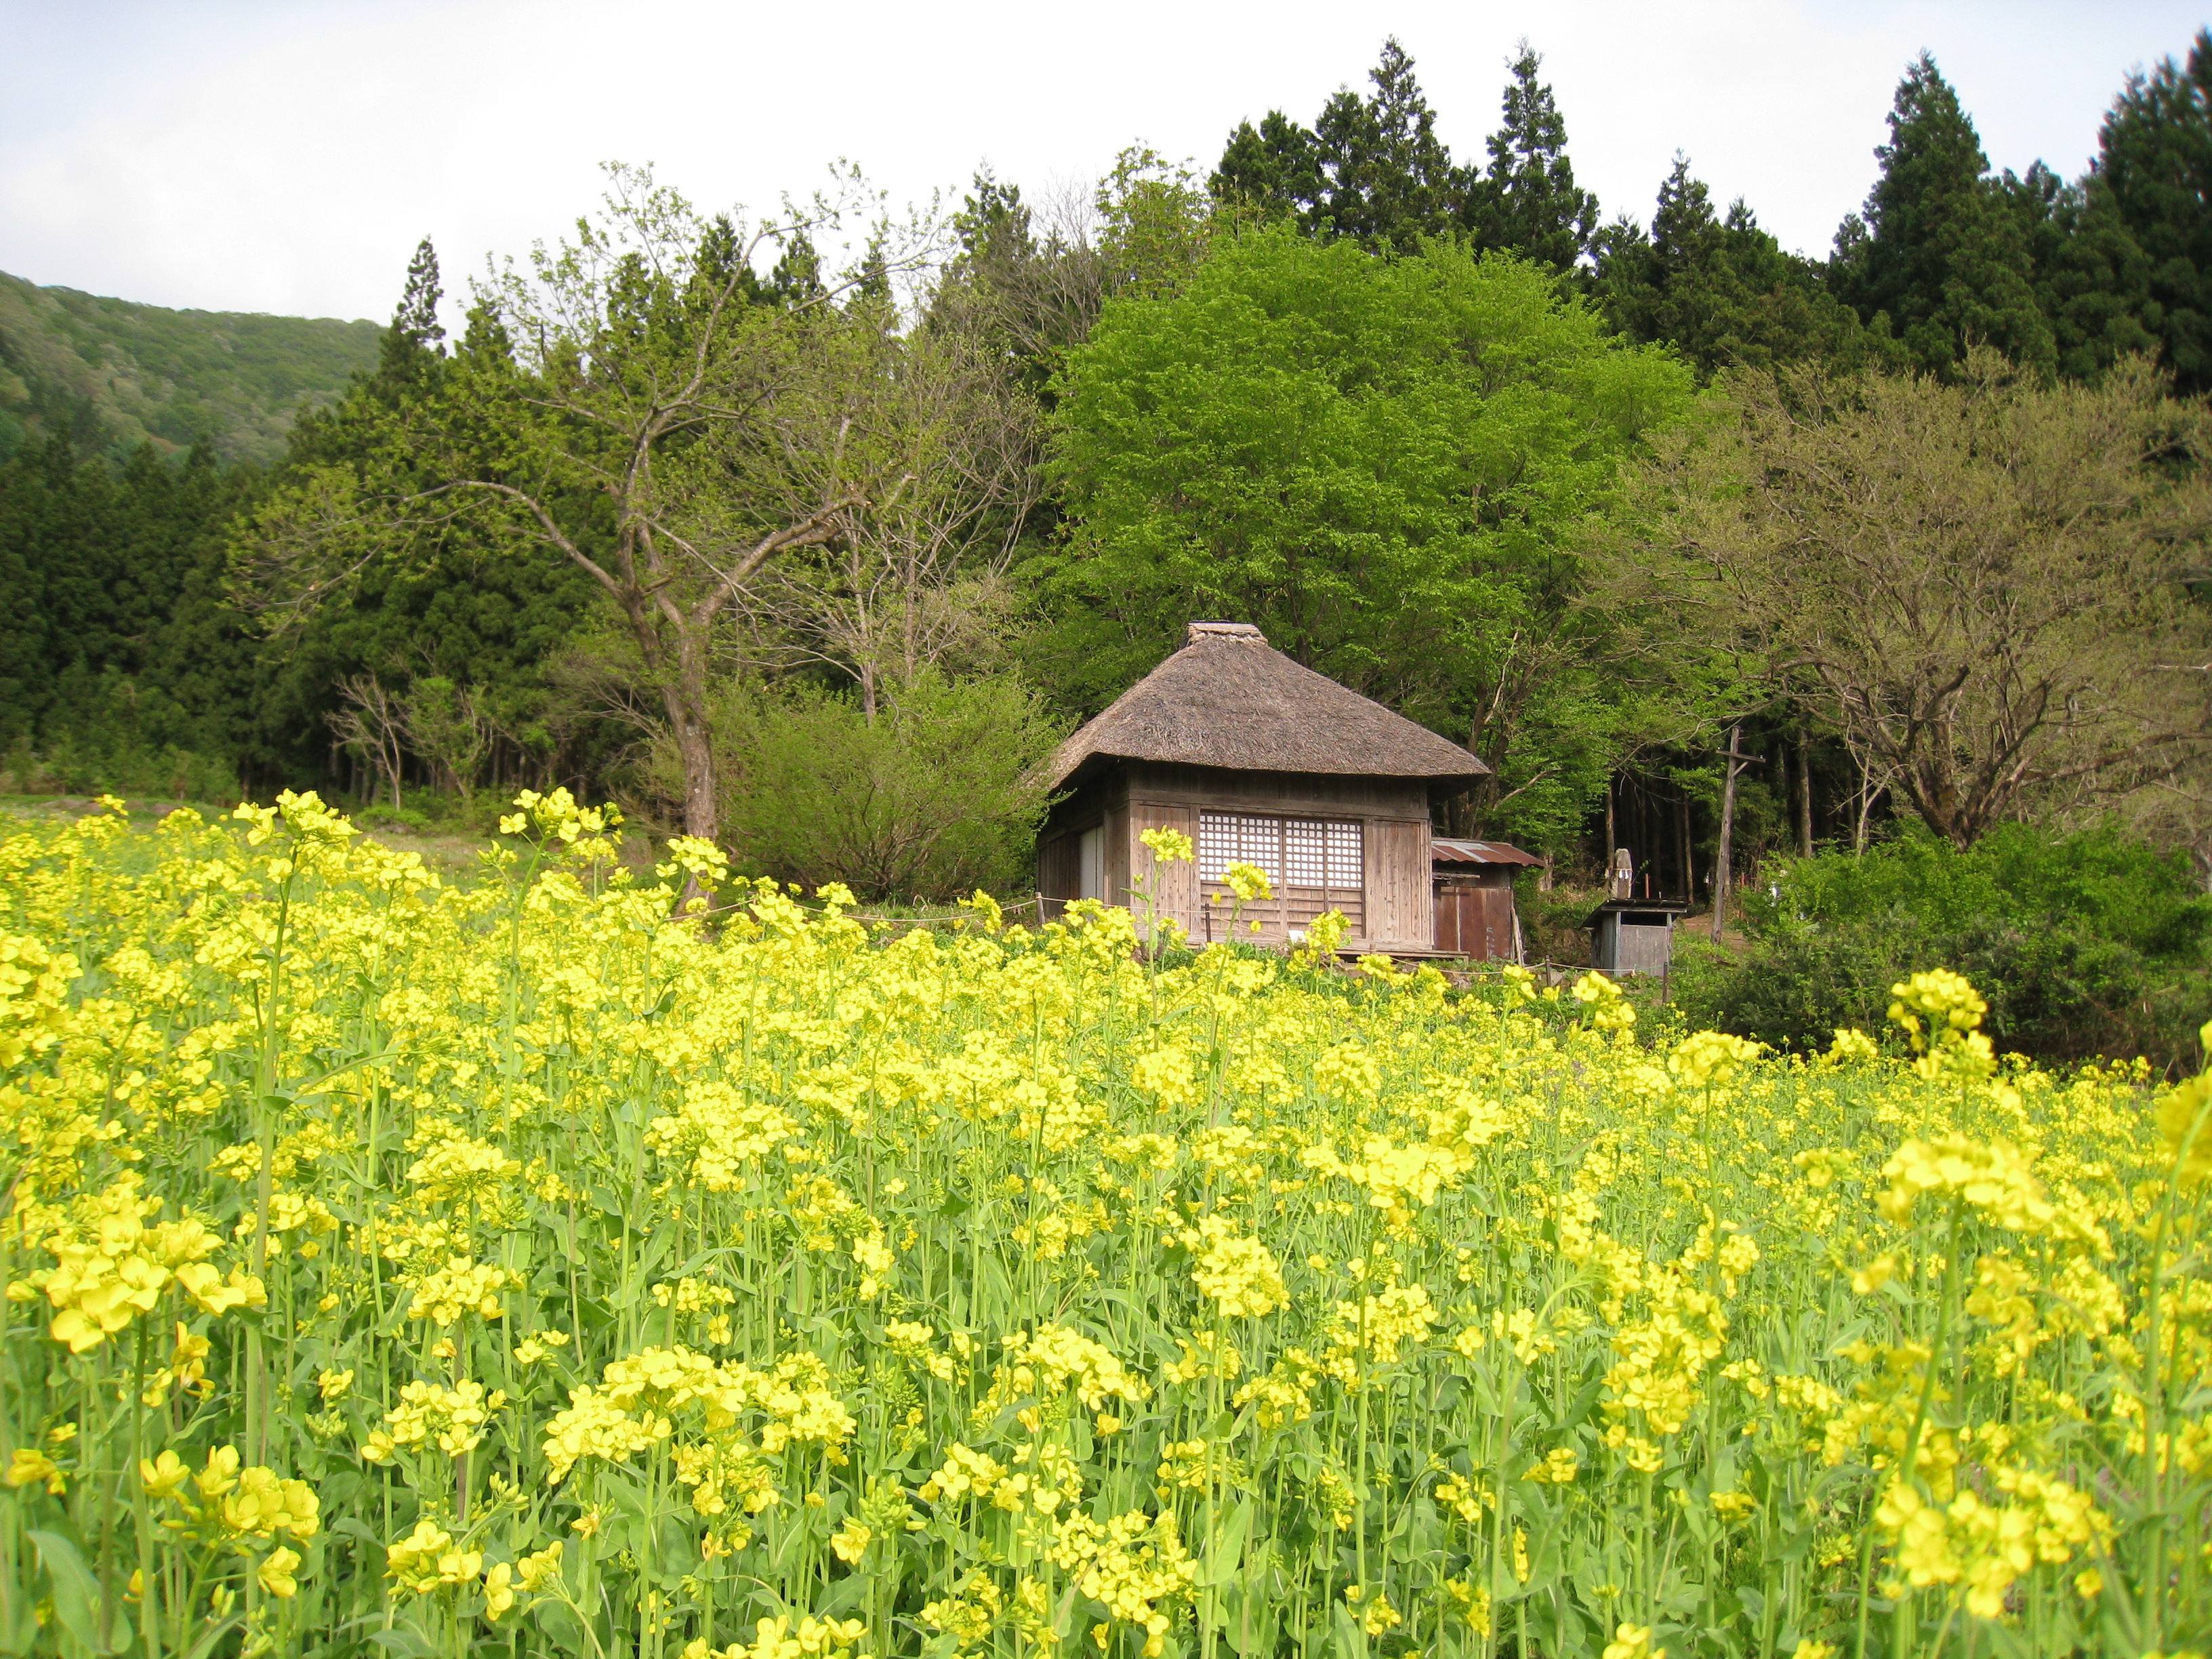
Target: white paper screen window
point(1293, 851)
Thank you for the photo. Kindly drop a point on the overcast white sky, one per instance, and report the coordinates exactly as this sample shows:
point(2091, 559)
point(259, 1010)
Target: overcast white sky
point(284, 156)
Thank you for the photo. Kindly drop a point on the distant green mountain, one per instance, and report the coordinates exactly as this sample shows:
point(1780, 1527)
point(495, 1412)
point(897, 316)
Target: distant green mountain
point(109, 371)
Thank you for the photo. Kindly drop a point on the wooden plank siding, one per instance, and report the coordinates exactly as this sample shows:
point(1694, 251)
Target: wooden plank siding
point(1059, 874)
point(1295, 793)
point(1290, 913)
point(1176, 885)
point(1395, 912)
point(1400, 905)
point(1474, 919)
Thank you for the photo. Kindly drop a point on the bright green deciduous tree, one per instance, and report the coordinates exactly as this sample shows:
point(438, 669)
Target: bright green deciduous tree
point(1379, 460)
point(935, 792)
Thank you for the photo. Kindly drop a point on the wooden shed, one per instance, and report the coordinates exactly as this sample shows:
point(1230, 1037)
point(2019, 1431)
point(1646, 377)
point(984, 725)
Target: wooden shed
point(1259, 761)
point(1476, 917)
point(1632, 932)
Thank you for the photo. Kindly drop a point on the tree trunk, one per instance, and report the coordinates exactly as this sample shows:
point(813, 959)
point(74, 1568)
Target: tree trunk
point(1865, 806)
point(686, 702)
point(1724, 868)
point(1804, 792)
point(1689, 861)
point(1611, 831)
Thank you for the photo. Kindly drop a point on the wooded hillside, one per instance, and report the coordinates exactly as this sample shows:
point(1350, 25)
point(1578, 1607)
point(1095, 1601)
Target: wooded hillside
point(112, 373)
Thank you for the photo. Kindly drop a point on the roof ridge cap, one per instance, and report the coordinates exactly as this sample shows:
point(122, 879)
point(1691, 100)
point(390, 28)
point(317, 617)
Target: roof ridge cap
point(1246, 632)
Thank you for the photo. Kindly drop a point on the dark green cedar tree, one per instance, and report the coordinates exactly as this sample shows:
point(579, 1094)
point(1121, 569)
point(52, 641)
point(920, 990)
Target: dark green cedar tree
point(1527, 202)
point(120, 662)
point(2090, 275)
point(1940, 253)
point(2153, 176)
point(1389, 180)
point(1275, 169)
point(461, 604)
point(1720, 288)
point(1371, 168)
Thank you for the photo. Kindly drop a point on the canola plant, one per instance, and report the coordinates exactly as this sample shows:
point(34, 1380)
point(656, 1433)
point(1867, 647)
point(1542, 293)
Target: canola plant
point(533, 1264)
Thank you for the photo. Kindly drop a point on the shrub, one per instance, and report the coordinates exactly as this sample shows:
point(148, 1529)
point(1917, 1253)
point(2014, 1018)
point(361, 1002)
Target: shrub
point(937, 795)
point(2085, 944)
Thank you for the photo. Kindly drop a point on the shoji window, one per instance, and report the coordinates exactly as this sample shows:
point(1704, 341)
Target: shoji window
point(1312, 864)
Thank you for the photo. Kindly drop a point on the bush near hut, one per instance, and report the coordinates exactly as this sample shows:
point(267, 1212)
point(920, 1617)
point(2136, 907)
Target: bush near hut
point(425, 1268)
point(938, 793)
point(2085, 944)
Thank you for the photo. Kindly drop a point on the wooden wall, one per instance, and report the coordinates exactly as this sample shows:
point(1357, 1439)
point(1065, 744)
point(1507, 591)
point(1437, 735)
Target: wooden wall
point(1400, 900)
point(1303, 794)
point(1622, 946)
point(1176, 886)
point(1474, 914)
point(1060, 868)
point(1133, 797)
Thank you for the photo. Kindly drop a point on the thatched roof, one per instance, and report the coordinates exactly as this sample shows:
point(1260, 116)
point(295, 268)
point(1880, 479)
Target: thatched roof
point(1228, 699)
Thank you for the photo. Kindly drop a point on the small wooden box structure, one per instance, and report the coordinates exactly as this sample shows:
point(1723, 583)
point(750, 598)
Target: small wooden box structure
point(1259, 761)
point(1475, 914)
point(1629, 933)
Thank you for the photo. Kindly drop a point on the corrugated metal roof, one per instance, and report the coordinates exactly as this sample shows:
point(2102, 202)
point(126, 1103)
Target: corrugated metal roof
point(1443, 851)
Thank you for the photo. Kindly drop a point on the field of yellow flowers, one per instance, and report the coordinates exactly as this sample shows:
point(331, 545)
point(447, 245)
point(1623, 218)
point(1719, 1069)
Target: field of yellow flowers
point(403, 1267)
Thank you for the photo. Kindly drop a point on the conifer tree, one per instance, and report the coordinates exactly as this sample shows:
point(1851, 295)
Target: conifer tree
point(1388, 179)
point(992, 226)
point(2153, 177)
point(407, 355)
point(1371, 168)
point(1939, 253)
point(459, 606)
point(2090, 275)
point(1720, 289)
point(1274, 168)
point(796, 279)
point(1528, 203)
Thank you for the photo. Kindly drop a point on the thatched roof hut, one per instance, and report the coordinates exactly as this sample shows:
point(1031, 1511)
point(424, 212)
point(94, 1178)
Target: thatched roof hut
point(1230, 701)
point(1258, 760)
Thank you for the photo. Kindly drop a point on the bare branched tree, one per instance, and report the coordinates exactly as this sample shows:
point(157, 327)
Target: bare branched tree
point(370, 722)
point(939, 454)
point(444, 726)
point(640, 400)
point(1984, 579)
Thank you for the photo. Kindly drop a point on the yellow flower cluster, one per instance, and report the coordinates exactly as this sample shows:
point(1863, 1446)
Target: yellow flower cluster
point(828, 1286)
point(780, 1639)
point(461, 1287)
point(110, 1266)
point(1240, 1275)
point(454, 1419)
point(1987, 1547)
point(222, 1500)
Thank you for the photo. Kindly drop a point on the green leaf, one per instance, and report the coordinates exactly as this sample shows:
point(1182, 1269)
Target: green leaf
point(1226, 1546)
point(76, 1592)
point(403, 1640)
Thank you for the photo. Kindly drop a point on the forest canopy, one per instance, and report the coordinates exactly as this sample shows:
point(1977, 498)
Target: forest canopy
point(685, 506)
